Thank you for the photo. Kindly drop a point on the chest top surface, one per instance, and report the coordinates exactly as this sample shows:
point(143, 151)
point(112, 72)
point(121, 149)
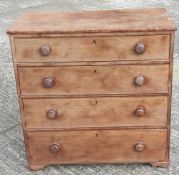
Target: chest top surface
point(125, 20)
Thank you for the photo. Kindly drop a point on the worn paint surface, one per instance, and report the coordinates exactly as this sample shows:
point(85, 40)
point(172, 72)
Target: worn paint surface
point(12, 153)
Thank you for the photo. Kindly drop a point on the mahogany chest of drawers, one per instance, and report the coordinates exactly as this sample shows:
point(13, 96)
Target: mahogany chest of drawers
point(94, 87)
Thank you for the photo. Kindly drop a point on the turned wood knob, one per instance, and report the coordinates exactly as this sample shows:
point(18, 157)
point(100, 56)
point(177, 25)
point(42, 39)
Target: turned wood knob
point(45, 50)
point(48, 82)
point(55, 148)
point(139, 80)
point(139, 48)
point(139, 147)
point(52, 114)
point(140, 111)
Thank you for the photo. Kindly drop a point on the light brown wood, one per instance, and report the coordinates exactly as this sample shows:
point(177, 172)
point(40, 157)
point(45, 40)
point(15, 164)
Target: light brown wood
point(67, 49)
point(97, 146)
point(161, 164)
point(101, 34)
point(93, 95)
point(95, 112)
point(123, 20)
point(93, 80)
point(172, 40)
point(36, 167)
point(94, 65)
point(19, 99)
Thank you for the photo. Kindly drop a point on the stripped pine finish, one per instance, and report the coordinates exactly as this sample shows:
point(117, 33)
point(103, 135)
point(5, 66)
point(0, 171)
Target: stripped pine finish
point(94, 87)
point(68, 49)
point(97, 146)
point(66, 113)
point(82, 80)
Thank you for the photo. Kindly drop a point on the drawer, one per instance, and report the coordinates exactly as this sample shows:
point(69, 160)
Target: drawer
point(70, 49)
point(97, 146)
point(95, 112)
point(81, 80)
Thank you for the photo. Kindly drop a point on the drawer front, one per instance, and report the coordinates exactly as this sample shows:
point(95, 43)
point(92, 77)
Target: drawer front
point(81, 80)
point(97, 146)
point(95, 112)
point(68, 49)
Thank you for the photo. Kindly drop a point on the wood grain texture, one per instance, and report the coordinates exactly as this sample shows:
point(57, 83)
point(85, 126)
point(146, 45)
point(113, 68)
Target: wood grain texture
point(57, 35)
point(95, 112)
point(22, 119)
point(89, 65)
point(172, 40)
point(123, 20)
point(93, 80)
point(71, 49)
point(92, 63)
point(161, 164)
point(98, 146)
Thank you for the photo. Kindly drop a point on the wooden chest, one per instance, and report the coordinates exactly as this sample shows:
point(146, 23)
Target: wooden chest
point(94, 87)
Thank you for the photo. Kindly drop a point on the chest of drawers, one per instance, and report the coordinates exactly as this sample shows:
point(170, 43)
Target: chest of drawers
point(94, 87)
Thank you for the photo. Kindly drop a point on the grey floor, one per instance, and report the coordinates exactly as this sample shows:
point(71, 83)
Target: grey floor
point(12, 152)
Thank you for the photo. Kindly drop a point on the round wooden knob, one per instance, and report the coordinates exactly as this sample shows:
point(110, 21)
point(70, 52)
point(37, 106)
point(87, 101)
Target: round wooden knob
point(140, 111)
point(52, 114)
point(45, 50)
point(139, 80)
point(139, 48)
point(139, 147)
point(55, 148)
point(48, 82)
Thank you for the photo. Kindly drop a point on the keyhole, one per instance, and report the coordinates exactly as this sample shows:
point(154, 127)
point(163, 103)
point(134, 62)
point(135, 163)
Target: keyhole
point(95, 71)
point(94, 41)
point(97, 134)
point(96, 102)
